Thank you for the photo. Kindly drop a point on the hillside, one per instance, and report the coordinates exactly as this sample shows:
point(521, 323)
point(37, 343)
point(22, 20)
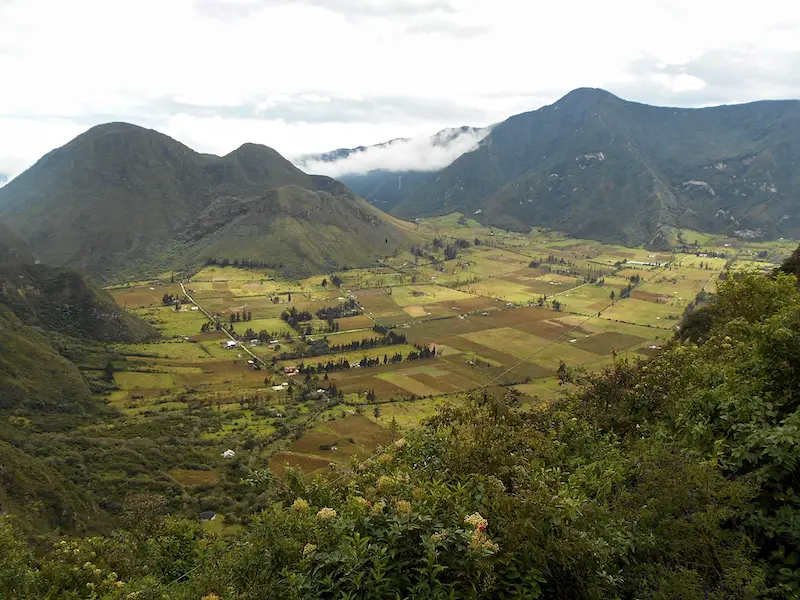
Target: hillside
point(594, 165)
point(39, 390)
point(43, 499)
point(386, 189)
point(13, 249)
point(297, 229)
point(69, 303)
point(32, 373)
point(120, 200)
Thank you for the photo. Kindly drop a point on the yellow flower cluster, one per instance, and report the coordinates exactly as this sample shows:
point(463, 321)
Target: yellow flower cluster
point(326, 513)
point(210, 597)
point(300, 505)
point(362, 501)
point(385, 459)
point(476, 521)
point(378, 507)
point(385, 483)
point(479, 541)
point(439, 537)
point(309, 549)
point(400, 443)
point(403, 507)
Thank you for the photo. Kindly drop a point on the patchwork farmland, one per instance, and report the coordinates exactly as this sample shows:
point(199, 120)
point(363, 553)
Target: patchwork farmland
point(349, 360)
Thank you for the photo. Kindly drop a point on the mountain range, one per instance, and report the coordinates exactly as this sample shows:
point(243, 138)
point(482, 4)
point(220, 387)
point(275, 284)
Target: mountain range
point(594, 165)
point(120, 200)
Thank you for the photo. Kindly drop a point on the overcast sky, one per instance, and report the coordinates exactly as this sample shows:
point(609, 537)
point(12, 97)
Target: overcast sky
point(314, 75)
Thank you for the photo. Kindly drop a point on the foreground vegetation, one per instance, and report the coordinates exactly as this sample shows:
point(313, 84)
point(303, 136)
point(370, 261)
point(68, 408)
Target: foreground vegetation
point(668, 477)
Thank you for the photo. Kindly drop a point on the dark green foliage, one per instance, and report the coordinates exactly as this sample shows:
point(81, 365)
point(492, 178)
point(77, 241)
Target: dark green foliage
point(33, 374)
point(121, 200)
point(67, 302)
point(791, 266)
point(596, 166)
point(42, 498)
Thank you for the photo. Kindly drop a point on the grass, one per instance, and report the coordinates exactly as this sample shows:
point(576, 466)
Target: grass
point(193, 477)
point(334, 441)
point(507, 340)
point(172, 323)
point(130, 380)
point(426, 294)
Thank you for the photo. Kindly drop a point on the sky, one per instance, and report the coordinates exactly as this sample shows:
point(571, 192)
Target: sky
point(305, 76)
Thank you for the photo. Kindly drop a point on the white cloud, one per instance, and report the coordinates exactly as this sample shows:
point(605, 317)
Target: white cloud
point(428, 153)
point(311, 75)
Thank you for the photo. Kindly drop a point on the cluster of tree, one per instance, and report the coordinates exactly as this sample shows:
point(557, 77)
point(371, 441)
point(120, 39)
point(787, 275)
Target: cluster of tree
point(419, 353)
point(243, 263)
point(550, 259)
point(169, 300)
point(348, 308)
point(422, 253)
point(330, 367)
point(390, 339)
point(595, 276)
point(554, 303)
point(450, 252)
point(343, 364)
point(295, 319)
point(245, 315)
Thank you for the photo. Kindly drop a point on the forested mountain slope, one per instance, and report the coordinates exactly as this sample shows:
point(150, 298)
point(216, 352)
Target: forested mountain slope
point(594, 165)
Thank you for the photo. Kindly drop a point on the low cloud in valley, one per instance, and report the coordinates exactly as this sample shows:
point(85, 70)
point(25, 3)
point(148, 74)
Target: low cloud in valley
point(415, 154)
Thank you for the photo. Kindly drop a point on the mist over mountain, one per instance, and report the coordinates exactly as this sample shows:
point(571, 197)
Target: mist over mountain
point(594, 165)
point(385, 174)
point(398, 155)
point(120, 200)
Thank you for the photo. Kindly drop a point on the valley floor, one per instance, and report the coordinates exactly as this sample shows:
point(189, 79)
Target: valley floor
point(508, 310)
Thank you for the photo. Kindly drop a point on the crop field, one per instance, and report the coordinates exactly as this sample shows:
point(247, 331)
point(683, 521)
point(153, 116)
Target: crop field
point(508, 310)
